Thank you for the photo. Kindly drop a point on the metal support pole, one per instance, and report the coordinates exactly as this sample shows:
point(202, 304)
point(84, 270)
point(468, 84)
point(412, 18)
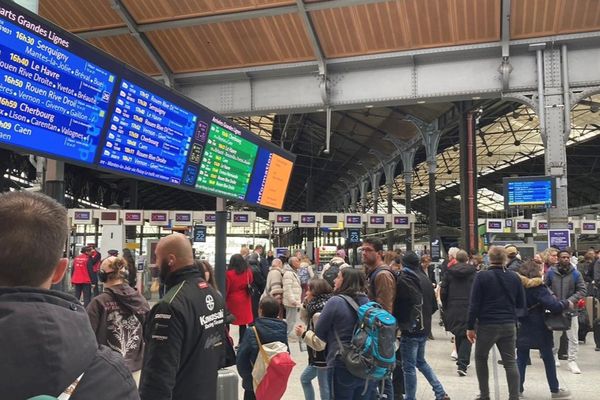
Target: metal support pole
point(408, 159)
point(364, 187)
point(408, 206)
point(54, 183)
point(433, 235)
point(468, 179)
point(375, 177)
point(553, 122)
point(220, 243)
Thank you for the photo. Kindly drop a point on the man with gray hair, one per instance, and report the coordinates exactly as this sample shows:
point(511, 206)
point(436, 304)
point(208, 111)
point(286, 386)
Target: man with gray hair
point(495, 297)
point(48, 345)
point(292, 295)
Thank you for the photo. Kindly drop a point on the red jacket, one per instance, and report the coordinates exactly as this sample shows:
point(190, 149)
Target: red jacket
point(81, 266)
point(237, 298)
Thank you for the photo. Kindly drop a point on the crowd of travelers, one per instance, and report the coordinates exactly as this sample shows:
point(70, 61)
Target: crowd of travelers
point(111, 344)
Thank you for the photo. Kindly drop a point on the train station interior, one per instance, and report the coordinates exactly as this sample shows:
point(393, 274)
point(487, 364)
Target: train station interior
point(414, 116)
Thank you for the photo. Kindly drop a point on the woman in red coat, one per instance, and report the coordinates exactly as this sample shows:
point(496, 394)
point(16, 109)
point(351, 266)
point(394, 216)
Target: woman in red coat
point(239, 278)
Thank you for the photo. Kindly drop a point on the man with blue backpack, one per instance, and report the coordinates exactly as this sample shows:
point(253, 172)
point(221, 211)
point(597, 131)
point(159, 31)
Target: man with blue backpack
point(567, 284)
point(381, 287)
point(414, 337)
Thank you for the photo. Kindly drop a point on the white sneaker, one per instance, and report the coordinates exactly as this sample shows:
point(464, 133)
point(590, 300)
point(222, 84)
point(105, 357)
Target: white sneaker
point(573, 367)
point(556, 362)
point(562, 394)
point(454, 355)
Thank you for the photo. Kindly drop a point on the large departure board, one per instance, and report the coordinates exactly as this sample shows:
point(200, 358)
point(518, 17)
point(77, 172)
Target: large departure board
point(227, 163)
point(49, 96)
point(62, 98)
point(148, 135)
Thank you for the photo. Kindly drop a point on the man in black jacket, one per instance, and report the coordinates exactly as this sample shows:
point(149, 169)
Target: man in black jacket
point(47, 341)
point(495, 297)
point(185, 334)
point(412, 342)
point(455, 292)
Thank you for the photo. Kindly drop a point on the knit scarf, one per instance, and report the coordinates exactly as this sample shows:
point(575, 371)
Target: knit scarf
point(316, 304)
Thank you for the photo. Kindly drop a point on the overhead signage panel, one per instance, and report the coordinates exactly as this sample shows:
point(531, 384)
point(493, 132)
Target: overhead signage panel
point(495, 225)
point(81, 217)
point(158, 218)
point(523, 226)
point(132, 217)
point(282, 220)
point(401, 221)
point(108, 217)
point(242, 218)
point(353, 220)
point(182, 218)
point(61, 97)
point(589, 227)
point(307, 220)
point(330, 220)
point(377, 221)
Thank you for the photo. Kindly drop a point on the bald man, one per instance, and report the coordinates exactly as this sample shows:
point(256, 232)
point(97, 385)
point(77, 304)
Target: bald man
point(185, 332)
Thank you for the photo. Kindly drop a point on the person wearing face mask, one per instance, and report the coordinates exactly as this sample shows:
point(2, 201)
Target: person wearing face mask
point(118, 314)
point(185, 333)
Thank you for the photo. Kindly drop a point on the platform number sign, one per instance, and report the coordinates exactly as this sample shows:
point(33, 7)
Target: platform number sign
point(199, 234)
point(354, 236)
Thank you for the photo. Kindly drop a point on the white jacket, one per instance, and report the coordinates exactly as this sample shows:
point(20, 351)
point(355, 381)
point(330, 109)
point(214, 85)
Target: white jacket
point(274, 282)
point(292, 290)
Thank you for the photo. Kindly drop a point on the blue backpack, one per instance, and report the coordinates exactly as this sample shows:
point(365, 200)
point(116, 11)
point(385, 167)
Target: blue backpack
point(372, 351)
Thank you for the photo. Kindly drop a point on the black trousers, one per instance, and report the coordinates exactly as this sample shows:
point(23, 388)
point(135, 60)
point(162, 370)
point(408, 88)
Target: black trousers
point(398, 378)
point(86, 289)
point(463, 348)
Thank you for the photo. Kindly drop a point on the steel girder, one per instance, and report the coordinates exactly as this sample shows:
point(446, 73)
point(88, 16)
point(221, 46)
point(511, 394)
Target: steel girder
point(432, 75)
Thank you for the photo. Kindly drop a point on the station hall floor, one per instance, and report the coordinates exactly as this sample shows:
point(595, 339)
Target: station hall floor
point(583, 387)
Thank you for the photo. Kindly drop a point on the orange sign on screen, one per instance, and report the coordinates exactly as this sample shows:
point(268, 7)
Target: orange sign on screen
point(276, 183)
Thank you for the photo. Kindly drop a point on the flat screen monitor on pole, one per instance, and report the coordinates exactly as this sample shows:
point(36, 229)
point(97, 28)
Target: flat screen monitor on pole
point(64, 99)
point(530, 192)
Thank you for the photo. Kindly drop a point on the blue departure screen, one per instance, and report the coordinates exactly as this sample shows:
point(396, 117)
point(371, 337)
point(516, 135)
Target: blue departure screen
point(51, 100)
point(147, 135)
point(534, 192)
point(65, 99)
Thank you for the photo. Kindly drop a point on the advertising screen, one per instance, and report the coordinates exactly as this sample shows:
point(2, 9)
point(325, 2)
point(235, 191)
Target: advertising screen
point(62, 98)
point(532, 191)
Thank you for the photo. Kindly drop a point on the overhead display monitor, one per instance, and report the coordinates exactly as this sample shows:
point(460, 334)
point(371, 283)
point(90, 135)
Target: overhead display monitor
point(52, 100)
point(63, 98)
point(530, 192)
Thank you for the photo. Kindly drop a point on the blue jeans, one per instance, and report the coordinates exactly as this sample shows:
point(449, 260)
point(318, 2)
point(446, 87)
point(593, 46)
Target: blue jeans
point(347, 386)
point(413, 357)
point(547, 357)
point(311, 372)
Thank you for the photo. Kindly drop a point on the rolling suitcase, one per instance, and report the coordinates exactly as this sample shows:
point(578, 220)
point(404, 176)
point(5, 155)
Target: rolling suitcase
point(227, 385)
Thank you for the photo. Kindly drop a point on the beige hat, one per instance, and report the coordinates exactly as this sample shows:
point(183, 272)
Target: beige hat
point(511, 250)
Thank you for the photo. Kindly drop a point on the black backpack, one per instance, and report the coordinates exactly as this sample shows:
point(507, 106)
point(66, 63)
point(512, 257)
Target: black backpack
point(332, 272)
point(408, 304)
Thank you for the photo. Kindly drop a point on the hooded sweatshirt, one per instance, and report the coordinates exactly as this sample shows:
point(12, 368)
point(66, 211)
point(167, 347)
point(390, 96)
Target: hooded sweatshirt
point(47, 342)
point(117, 317)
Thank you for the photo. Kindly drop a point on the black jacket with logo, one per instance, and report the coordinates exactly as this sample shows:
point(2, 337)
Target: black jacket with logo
point(184, 340)
point(47, 342)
